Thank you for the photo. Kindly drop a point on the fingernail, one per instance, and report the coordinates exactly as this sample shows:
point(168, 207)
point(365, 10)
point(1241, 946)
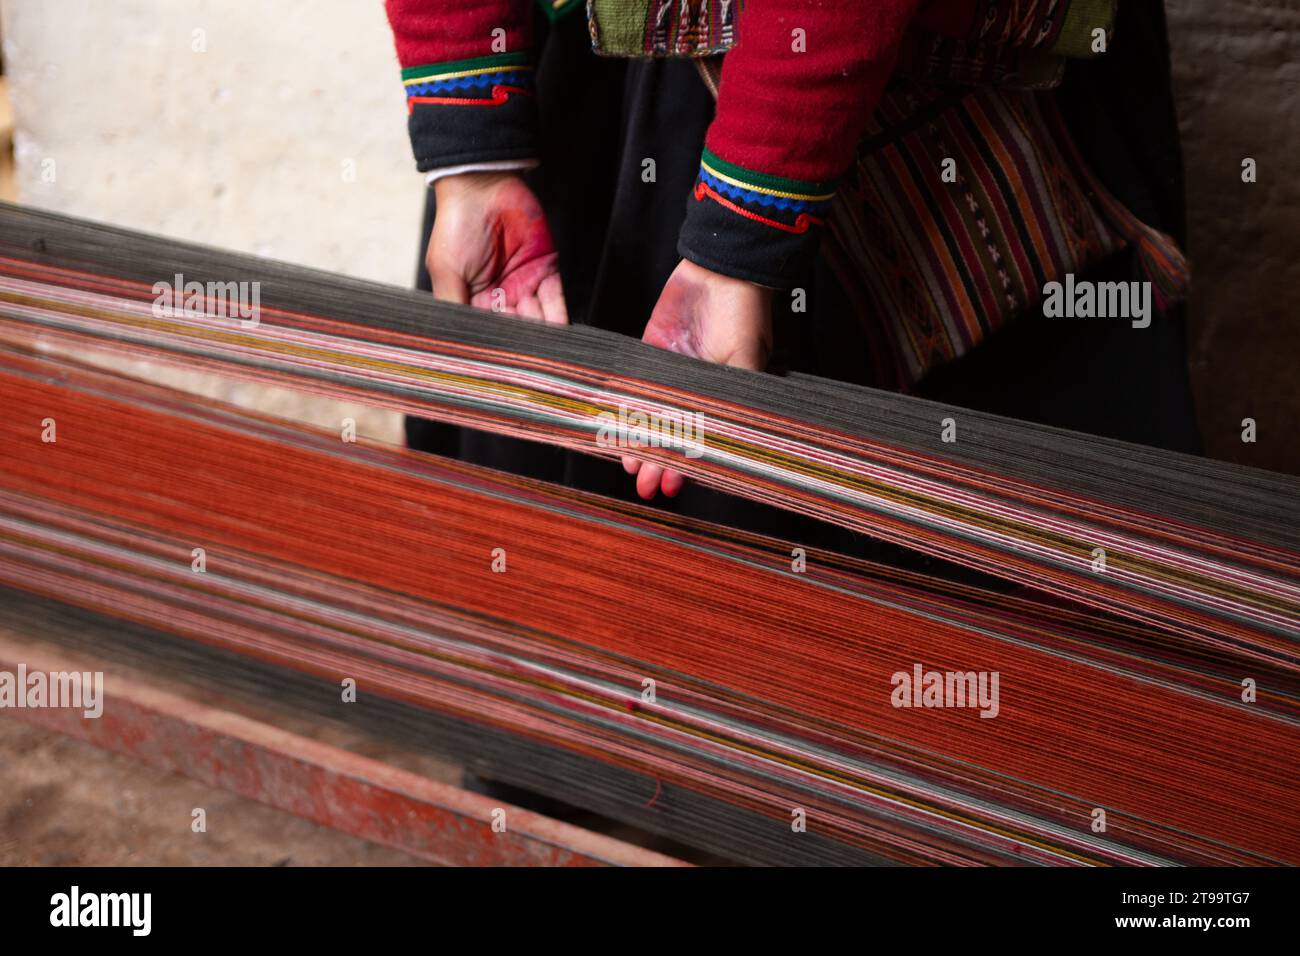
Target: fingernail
point(672, 484)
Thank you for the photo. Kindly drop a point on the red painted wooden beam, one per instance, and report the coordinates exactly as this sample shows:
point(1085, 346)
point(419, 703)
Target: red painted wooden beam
point(319, 782)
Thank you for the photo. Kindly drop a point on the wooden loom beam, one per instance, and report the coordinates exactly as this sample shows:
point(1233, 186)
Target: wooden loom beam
point(319, 782)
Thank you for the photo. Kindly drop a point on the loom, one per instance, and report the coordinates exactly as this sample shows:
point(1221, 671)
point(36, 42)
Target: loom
point(683, 677)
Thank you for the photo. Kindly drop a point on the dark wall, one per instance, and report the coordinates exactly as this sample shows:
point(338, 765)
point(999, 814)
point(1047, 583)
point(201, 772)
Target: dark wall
point(1237, 80)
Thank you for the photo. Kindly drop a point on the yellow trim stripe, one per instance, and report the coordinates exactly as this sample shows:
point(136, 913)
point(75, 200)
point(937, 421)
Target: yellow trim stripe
point(433, 77)
point(741, 184)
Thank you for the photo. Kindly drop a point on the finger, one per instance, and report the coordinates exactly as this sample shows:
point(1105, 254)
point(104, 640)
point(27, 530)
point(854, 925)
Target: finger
point(494, 299)
point(753, 356)
point(631, 465)
point(647, 480)
point(529, 308)
point(672, 483)
point(551, 294)
point(449, 285)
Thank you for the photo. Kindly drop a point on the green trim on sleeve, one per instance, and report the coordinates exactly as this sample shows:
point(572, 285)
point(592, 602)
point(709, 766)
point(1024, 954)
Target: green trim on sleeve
point(555, 9)
point(466, 66)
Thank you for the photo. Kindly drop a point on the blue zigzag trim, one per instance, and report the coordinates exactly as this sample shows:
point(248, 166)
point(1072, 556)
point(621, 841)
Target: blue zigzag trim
point(760, 199)
point(514, 78)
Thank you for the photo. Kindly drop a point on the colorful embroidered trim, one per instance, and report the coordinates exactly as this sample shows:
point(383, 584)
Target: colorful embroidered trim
point(724, 182)
point(802, 223)
point(463, 82)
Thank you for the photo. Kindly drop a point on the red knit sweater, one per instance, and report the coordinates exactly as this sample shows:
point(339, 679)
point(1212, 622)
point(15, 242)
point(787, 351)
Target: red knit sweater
point(795, 96)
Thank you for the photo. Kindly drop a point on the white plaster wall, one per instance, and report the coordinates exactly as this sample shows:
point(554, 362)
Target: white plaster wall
point(227, 122)
point(275, 127)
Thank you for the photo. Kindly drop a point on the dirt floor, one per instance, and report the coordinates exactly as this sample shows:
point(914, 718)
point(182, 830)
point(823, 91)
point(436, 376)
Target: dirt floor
point(64, 802)
point(67, 803)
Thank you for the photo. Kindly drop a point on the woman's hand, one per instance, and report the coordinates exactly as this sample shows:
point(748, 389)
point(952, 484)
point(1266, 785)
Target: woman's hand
point(490, 247)
point(707, 316)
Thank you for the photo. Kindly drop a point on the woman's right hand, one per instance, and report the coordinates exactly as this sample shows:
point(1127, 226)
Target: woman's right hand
point(490, 247)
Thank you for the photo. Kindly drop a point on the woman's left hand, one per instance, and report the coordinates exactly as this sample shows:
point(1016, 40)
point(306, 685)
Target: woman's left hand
point(707, 316)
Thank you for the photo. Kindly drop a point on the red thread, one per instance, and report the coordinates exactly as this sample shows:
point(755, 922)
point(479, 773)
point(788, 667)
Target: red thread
point(500, 95)
point(111, 500)
point(801, 224)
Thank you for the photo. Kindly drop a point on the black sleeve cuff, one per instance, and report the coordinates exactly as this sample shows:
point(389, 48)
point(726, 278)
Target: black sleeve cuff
point(752, 226)
point(471, 111)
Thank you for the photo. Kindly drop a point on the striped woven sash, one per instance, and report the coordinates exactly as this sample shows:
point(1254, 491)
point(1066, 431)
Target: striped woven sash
point(933, 267)
point(966, 200)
